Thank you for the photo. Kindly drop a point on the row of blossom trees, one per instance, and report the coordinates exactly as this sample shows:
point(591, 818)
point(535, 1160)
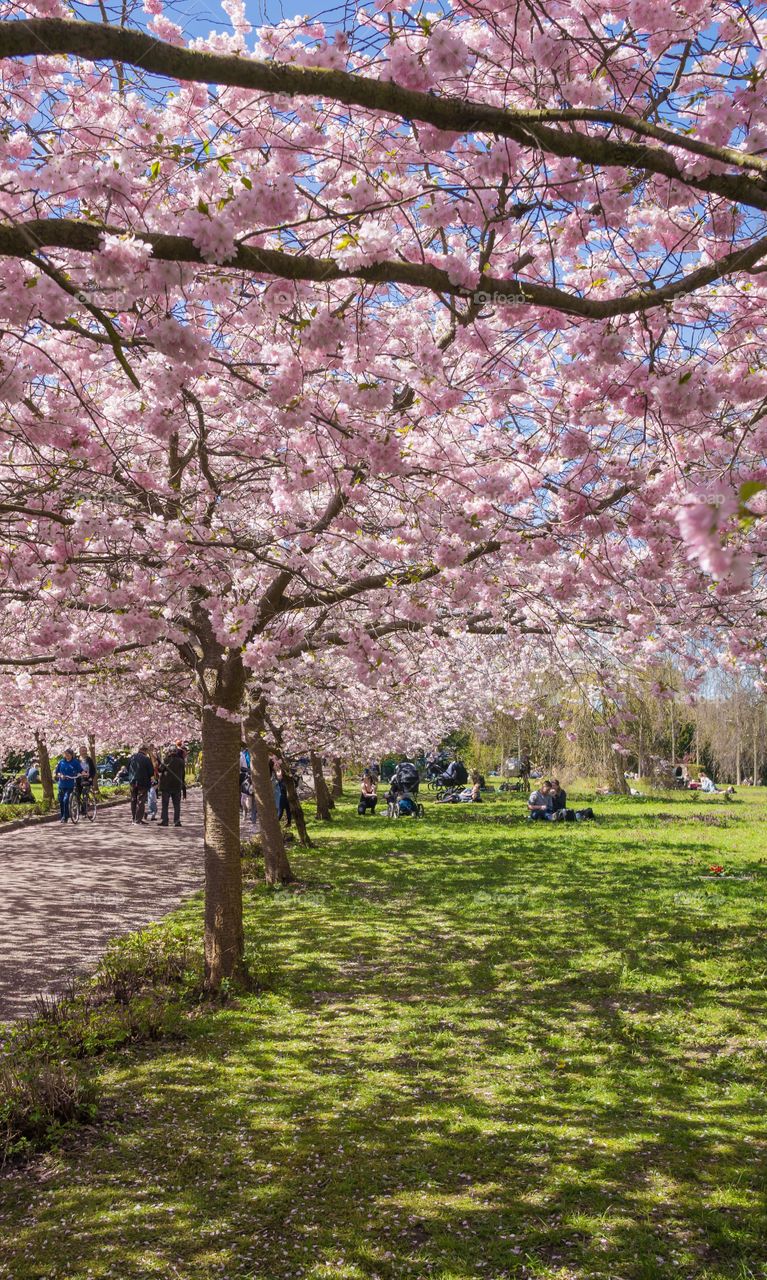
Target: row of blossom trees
point(432, 326)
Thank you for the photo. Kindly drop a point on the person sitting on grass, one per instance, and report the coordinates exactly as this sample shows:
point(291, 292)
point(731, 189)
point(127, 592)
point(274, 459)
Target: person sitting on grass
point(18, 791)
point(24, 790)
point(540, 804)
point(472, 794)
point(368, 794)
point(558, 799)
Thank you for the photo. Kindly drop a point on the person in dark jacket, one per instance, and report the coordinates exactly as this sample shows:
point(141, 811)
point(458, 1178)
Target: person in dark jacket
point(558, 797)
point(140, 774)
point(67, 770)
point(172, 785)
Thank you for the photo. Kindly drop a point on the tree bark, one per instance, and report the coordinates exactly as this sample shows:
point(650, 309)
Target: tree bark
point(338, 779)
point(224, 940)
point(98, 41)
point(296, 808)
point(619, 774)
point(46, 777)
point(322, 795)
point(276, 865)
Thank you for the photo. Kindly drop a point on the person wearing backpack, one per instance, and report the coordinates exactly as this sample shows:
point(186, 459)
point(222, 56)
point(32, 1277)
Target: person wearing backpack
point(140, 775)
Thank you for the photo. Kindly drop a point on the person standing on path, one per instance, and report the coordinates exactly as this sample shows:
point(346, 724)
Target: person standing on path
point(172, 785)
point(87, 774)
point(140, 774)
point(67, 770)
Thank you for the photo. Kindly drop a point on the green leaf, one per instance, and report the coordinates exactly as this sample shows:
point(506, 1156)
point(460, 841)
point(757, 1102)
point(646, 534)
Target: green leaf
point(203, 207)
point(685, 377)
point(154, 170)
point(246, 182)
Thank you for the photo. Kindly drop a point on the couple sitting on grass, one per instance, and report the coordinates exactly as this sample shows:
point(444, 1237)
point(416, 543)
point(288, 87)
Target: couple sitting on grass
point(549, 804)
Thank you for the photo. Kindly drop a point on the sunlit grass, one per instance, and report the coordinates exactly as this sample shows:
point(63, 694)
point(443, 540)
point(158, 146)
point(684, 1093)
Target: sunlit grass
point(487, 1049)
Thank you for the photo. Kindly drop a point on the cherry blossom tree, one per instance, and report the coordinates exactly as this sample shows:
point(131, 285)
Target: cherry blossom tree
point(439, 324)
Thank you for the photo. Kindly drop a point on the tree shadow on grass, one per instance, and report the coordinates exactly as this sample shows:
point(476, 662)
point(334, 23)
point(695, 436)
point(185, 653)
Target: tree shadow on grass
point(479, 1060)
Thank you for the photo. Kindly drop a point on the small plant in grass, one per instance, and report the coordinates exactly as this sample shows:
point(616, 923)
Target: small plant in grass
point(157, 956)
point(38, 1101)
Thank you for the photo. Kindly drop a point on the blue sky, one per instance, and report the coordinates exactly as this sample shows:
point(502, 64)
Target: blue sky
point(200, 16)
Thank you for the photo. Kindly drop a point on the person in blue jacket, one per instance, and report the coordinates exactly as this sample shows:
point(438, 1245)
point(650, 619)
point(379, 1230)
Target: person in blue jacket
point(67, 770)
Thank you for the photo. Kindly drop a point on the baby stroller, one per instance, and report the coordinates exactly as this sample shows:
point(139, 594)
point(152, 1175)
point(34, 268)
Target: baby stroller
point(435, 768)
point(406, 778)
point(403, 804)
point(455, 776)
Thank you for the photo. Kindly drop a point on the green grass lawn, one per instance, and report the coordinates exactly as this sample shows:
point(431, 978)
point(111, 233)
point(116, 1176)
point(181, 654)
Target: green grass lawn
point(487, 1049)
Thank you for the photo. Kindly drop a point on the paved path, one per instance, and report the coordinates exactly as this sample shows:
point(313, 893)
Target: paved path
point(66, 890)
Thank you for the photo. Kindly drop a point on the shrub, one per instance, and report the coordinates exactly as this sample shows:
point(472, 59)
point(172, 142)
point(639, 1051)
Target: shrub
point(10, 812)
point(138, 993)
point(37, 1101)
point(157, 956)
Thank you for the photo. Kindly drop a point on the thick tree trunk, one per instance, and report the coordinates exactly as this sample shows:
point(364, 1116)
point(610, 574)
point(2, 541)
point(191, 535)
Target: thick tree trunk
point(296, 808)
point(322, 795)
point(46, 777)
point(224, 942)
point(92, 754)
point(621, 784)
point(276, 865)
point(338, 779)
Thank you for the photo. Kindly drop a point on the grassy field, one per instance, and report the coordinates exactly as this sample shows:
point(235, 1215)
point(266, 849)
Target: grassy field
point(485, 1049)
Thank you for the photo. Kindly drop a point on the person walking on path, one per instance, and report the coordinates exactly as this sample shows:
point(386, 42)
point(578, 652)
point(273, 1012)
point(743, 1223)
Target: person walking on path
point(172, 785)
point(67, 770)
point(140, 774)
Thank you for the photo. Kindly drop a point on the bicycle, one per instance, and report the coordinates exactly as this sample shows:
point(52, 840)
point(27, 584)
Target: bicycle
point(84, 804)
